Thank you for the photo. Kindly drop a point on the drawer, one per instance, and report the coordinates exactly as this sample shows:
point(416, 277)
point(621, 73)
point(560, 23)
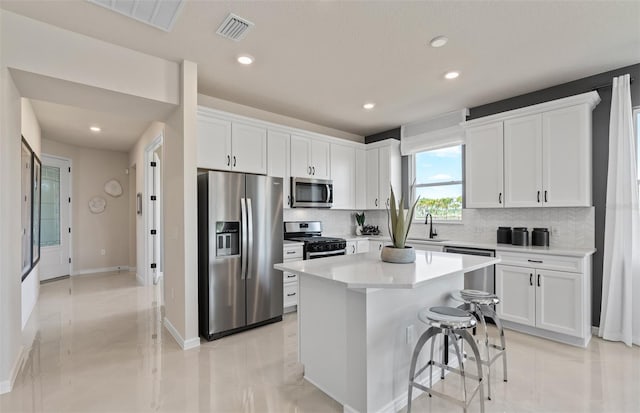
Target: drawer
point(548, 262)
point(288, 277)
point(290, 294)
point(292, 253)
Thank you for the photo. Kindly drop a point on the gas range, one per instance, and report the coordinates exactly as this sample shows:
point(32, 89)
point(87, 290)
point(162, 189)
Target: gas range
point(315, 245)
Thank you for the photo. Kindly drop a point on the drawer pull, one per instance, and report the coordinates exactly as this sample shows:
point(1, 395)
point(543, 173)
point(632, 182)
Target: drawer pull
point(291, 294)
point(536, 261)
point(531, 280)
point(290, 252)
point(291, 276)
point(538, 280)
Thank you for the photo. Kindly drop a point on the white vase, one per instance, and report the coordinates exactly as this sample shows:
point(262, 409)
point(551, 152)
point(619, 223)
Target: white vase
point(358, 229)
point(394, 255)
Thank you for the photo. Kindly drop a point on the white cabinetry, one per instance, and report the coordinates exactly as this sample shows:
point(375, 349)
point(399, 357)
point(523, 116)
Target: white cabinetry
point(278, 144)
point(343, 169)
point(383, 170)
point(362, 246)
point(542, 300)
point(229, 145)
point(352, 247)
point(289, 280)
point(484, 174)
point(534, 156)
point(310, 157)
point(361, 179)
point(375, 245)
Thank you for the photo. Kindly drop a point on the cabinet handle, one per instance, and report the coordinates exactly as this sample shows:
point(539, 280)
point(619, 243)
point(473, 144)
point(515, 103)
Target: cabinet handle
point(536, 261)
point(538, 196)
point(290, 252)
point(353, 249)
point(309, 169)
point(234, 161)
point(291, 276)
point(545, 196)
point(289, 200)
point(387, 202)
point(500, 198)
point(531, 279)
point(538, 280)
point(380, 247)
point(291, 294)
point(376, 201)
point(228, 160)
point(314, 170)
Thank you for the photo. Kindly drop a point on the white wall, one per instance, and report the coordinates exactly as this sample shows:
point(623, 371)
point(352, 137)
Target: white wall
point(136, 163)
point(91, 169)
point(30, 287)
point(227, 106)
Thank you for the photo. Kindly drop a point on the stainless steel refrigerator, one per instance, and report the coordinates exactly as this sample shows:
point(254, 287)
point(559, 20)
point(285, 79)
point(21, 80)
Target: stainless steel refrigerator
point(239, 240)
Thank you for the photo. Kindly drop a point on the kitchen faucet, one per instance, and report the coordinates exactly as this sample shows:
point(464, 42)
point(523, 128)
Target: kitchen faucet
point(430, 222)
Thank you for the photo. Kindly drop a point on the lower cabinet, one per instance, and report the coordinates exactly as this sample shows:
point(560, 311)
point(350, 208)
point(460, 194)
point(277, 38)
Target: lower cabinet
point(289, 280)
point(375, 245)
point(352, 247)
point(549, 300)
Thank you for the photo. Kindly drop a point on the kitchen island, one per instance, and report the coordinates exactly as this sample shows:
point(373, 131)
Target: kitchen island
point(357, 321)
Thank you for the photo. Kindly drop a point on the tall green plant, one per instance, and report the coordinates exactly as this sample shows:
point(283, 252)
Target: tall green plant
point(399, 222)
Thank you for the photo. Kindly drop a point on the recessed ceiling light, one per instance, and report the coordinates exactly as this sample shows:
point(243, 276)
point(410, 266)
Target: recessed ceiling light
point(245, 59)
point(369, 105)
point(95, 129)
point(451, 75)
point(438, 41)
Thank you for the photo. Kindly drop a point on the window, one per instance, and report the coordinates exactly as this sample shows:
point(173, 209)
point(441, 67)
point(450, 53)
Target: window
point(440, 184)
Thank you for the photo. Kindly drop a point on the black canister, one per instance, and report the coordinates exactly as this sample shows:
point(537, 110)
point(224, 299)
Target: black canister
point(520, 236)
point(540, 237)
point(504, 235)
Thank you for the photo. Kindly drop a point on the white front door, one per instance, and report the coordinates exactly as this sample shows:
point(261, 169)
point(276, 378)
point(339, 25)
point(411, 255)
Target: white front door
point(55, 237)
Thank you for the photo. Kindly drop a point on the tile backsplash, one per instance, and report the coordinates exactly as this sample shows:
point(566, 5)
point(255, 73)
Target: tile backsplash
point(569, 227)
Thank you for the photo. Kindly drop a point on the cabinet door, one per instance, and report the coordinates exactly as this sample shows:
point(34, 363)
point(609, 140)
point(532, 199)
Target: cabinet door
point(515, 287)
point(363, 246)
point(372, 179)
point(249, 148)
point(523, 162)
point(213, 143)
point(558, 302)
point(361, 179)
point(278, 144)
point(484, 167)
point(320, 159)
point(566, 168)
point(375, 245)
point(300, 157)
point(352, 248)
point(343, 169)
point(384, 178)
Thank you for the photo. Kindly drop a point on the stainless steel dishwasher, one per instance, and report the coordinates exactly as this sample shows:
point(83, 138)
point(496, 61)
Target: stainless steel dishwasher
point(482, 279)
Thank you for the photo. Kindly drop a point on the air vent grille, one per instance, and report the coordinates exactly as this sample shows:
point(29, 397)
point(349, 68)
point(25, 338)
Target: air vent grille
point(234, 27)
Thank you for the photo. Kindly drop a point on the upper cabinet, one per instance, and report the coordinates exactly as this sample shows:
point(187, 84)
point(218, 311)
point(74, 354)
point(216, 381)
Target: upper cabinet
point(529, 157)
point(343, 169)
point(229, 145)
point(310, 158)
point(383, 167)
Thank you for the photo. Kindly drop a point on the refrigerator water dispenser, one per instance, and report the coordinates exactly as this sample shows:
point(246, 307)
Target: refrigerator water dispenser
point(228, 238)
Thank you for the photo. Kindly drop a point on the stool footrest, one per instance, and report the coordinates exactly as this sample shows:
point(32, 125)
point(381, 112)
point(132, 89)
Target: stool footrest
point(448, 397)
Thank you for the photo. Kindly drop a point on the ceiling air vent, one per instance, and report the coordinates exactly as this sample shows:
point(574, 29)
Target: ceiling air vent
point(234, 27)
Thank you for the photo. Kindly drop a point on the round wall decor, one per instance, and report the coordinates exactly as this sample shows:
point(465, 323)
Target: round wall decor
point(113, 188)
point(97, 204)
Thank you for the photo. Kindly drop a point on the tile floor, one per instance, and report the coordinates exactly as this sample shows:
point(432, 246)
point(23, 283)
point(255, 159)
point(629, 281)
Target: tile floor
point(99, 347)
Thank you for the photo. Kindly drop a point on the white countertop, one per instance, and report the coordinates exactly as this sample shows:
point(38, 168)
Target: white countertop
point(368, 271)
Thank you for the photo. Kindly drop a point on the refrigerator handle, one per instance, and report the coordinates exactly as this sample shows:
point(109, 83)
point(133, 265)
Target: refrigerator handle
point(243, 251)
point(250, 237)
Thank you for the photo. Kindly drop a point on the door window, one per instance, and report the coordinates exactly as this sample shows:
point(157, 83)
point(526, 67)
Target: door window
point(50, 221)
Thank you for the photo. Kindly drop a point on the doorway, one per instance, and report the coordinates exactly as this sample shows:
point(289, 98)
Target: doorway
point(55, 238)
point(154, 200)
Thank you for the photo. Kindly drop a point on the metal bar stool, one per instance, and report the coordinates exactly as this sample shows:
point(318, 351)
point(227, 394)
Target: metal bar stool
point(449, 322)
point(479, 303)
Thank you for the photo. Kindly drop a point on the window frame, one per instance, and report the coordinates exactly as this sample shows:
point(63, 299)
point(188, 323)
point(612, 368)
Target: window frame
point(412, 179)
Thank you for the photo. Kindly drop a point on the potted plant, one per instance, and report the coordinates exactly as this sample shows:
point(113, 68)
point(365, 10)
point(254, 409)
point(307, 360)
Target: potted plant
point(399, 222)
point(359, 222)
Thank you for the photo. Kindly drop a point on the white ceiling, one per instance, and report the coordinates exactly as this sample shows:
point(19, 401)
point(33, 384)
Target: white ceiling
point(319, 61)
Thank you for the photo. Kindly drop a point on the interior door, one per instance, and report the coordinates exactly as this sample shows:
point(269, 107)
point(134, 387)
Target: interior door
point(55, 226)
point(264, 283)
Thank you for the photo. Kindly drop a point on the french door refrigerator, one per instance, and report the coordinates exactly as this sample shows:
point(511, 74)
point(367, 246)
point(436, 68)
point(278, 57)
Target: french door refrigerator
point(239, 240)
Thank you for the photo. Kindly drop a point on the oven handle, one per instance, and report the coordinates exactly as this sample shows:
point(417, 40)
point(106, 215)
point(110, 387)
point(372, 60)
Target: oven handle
point(325, 253)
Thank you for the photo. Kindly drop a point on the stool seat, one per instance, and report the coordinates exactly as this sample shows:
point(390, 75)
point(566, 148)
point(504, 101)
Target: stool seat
point(447, 317)
point(479, 297)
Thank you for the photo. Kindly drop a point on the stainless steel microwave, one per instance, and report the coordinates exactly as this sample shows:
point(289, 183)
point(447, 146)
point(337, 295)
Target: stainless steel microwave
point(311, 193)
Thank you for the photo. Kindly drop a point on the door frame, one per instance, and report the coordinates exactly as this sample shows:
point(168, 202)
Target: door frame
point(43, 156)
point(148, 205)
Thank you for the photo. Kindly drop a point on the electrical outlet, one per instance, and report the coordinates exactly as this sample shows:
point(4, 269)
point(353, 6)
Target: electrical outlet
point(410, 334)
point(103, 252)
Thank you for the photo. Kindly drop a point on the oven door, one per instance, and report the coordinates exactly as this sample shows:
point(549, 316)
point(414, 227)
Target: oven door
point(324, 254)
point(311, 193)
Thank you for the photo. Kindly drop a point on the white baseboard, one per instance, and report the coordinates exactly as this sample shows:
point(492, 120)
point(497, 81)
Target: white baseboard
point(122, 268)
point(184, 344)
point(7, 385)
